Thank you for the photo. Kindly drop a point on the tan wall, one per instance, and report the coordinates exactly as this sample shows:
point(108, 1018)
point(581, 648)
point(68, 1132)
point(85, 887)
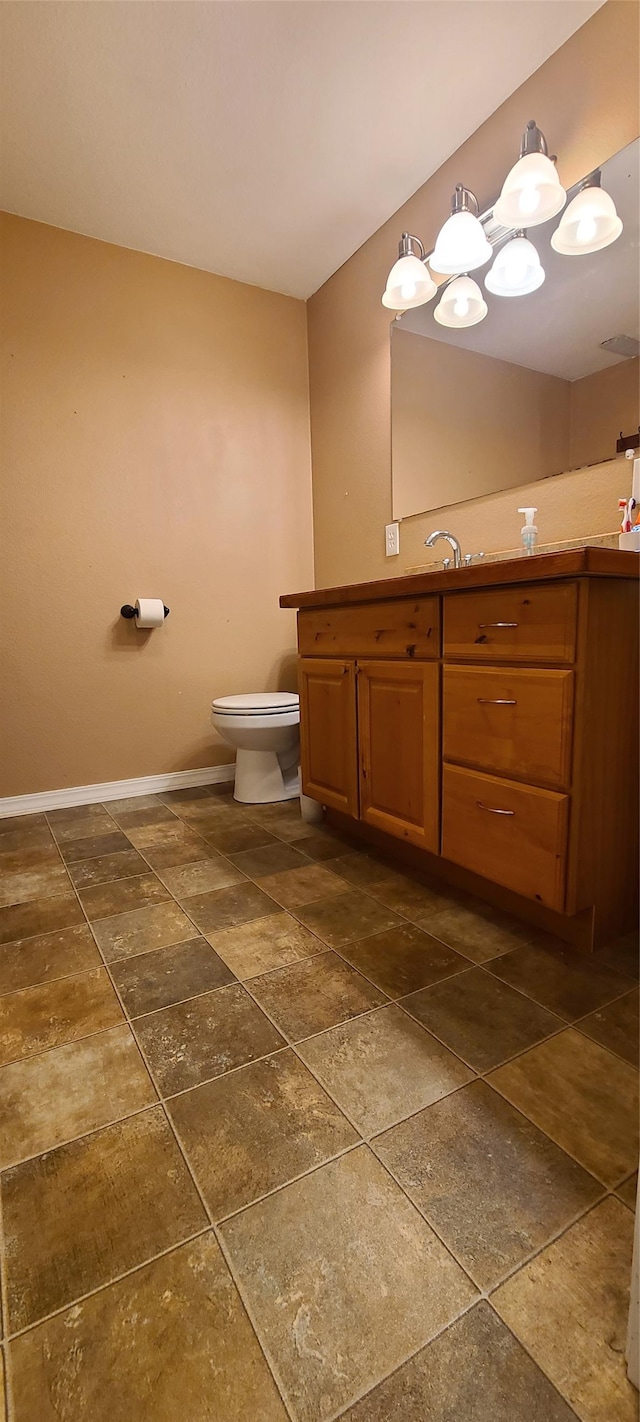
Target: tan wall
point(464, 423)
point(601, 406)
point(155, 441)
point(585, 98)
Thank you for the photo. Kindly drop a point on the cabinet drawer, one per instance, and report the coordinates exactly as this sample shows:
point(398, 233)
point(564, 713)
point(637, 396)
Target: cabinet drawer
point(513, 834)
point(404, 628)
point(510, 720)
point(535, 623)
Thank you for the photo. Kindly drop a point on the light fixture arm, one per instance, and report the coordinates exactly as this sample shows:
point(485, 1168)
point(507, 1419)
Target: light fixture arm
point(464, 200)
point(593, 180)
point(534, 141)
point(409, 246)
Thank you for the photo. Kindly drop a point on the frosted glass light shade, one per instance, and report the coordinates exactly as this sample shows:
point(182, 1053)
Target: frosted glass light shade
point(462, 304)
point(589, 223)
point(461, 245)
point(409, 284)
point(516, 271)
point(531, 193)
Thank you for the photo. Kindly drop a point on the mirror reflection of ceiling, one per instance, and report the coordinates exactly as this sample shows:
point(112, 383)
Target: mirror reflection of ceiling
point(583, 301)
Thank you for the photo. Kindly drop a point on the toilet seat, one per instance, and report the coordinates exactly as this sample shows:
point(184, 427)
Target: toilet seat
point(262, 703)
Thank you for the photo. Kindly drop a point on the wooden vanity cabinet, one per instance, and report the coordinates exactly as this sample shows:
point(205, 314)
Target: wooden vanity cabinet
point(487, 717)
point(370, 724)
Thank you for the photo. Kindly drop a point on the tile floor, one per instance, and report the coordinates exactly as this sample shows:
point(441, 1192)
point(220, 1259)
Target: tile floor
point(289, 1134)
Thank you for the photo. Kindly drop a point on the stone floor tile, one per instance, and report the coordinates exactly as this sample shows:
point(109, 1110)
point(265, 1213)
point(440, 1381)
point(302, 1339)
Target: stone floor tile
point(563, 980)
point(382, 1067)
point(480, 1018)
point(343, 918)
point(403, 959)
point(475, 1371)
point(264, 943)
point(493, 1186)
point(615, 1026)
point(64, 1093)
point(310, 996)
point(582, 1096)
point(205, 1037)
point(142, 930)
point(84, 1213)
point(569, 1309)
point(165, 976)
point(51, 1013)
point(257, 1128)
point(344, 1279)
point(47, 956)
point(172, 1340)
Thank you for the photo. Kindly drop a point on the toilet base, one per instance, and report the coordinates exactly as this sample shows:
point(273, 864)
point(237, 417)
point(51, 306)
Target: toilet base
point(261, 779)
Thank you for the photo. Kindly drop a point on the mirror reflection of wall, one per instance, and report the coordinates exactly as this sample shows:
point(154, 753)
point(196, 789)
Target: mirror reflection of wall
point(532, 391)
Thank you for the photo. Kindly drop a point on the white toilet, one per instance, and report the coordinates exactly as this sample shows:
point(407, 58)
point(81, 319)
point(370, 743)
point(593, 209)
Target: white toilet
point(265, 730)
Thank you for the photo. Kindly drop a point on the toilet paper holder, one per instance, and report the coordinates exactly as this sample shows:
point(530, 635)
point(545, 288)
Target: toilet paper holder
point(128, 611)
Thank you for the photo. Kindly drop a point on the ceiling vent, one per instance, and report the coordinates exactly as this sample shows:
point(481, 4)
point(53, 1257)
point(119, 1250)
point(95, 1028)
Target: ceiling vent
point(625, 346)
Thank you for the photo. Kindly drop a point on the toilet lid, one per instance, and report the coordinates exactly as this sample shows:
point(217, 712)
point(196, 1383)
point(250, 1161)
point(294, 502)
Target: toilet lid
point(261, 703)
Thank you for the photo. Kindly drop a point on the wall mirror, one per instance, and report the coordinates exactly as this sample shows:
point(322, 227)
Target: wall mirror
point(544, 384)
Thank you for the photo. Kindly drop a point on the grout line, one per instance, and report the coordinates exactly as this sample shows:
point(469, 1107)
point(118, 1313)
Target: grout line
point(605, 1194)
point(367, 1392)
point(579, 1021)
point(242, 1294)
point(82, 1136)
point(546, 1132)
point(69, 1042)
point(294, 1180)
point(568, 1021)
point(534, 1360)
point(8, 1390)
point(100, 1288)
point(207, 1080)
point(4, 1301)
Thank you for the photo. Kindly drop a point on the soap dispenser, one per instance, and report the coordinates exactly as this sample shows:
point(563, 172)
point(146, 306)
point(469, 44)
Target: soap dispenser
point(529, 530)
point(630, 531)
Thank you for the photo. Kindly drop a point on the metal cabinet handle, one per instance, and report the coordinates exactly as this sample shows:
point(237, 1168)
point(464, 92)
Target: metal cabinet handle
point(492, 810)
point(495, 701)
point(498, 624)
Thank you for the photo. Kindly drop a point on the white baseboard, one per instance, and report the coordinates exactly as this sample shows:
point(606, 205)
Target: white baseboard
point(113, 790)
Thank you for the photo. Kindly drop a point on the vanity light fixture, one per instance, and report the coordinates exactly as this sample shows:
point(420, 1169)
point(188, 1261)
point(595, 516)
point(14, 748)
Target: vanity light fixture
point(589, 223)
point(517, 269)
point(409, 282)
point(461, 244)
point(461, 304)
point(532, 191)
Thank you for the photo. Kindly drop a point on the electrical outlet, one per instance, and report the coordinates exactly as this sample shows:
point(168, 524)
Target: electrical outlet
point(392, 539)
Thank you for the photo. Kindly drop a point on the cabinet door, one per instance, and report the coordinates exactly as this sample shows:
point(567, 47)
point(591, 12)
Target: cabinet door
point(398, 727)
point(328, 732)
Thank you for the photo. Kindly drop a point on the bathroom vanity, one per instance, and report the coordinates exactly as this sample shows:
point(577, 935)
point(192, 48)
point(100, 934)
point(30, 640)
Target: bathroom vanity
point(482, 723)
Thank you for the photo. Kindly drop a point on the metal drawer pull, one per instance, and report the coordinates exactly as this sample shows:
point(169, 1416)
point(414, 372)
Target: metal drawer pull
point(492, 810)
point(495, 701)
point(498, 624)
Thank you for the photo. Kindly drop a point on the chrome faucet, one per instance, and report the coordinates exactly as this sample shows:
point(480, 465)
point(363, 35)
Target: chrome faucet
point(457, 551)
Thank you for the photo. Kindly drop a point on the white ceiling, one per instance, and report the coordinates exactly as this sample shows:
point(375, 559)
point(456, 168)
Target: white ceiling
point(583, 301)
point(258, 139)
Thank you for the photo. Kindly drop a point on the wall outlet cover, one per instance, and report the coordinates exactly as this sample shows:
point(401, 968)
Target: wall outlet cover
point(392, 539)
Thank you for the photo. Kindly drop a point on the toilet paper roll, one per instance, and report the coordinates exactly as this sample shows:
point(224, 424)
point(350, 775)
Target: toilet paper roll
point(149, 612)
